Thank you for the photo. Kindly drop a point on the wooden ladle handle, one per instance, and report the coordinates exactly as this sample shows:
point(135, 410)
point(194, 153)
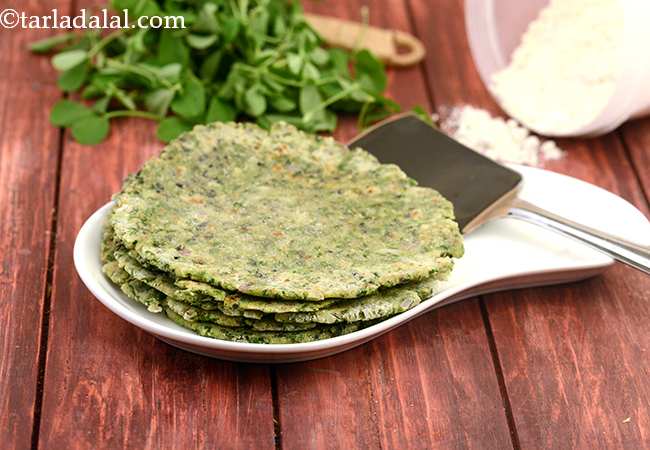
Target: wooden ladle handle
point(385, 44)
point(415, 48)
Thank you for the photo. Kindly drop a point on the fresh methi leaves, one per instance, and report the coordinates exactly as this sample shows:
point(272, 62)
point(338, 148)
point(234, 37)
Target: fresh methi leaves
point(258, 60)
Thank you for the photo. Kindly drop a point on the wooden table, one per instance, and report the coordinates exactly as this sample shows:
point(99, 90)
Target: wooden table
point(554, 367)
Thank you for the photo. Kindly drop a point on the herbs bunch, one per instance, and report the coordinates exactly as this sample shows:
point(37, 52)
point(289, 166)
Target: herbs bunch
point(235, 59)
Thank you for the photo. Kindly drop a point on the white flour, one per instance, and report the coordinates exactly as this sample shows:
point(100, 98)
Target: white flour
point(496, 138)
point(565, 68)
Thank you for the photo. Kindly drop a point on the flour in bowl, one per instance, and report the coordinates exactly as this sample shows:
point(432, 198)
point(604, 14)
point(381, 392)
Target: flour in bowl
point(564, 71)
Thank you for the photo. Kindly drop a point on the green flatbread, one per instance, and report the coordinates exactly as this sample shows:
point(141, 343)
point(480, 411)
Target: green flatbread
point(379, 305)
point(262, 337)
point(134, 289)
point(191, 314)
point(241, 305)
point(230, 314)
point(282, 214)
point(266, 305)
point(192, 287)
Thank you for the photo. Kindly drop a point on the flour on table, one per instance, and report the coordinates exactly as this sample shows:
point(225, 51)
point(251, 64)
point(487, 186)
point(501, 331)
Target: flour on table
point(565, 68)
point(496, 138)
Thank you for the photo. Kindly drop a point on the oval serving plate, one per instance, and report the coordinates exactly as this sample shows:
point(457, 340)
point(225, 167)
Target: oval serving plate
point(503, 254)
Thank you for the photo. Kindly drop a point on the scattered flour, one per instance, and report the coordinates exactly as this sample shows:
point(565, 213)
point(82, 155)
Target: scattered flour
point(564, 70)
point(496, 138)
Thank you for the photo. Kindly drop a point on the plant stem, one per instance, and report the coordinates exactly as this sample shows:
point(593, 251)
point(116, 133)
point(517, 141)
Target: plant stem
point(334, 98)
point(126, 113)
point(104, 42)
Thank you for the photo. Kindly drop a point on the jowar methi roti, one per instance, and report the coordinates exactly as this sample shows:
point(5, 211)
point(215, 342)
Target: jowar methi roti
point(276, 236)
point(384, 303)
point(282, 214)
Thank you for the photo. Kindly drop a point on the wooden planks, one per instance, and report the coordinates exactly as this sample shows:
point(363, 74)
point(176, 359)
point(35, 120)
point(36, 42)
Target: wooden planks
point(110, 384)
point(429, 384)
point(573, 357)
point(29, 151)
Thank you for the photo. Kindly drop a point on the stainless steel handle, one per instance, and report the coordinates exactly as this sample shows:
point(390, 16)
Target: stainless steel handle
point(622, 250)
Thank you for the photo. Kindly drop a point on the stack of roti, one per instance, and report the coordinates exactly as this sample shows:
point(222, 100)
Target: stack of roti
point(277, 236)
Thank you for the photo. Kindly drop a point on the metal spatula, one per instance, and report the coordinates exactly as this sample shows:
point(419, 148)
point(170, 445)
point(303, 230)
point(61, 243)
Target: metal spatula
point(479, 188)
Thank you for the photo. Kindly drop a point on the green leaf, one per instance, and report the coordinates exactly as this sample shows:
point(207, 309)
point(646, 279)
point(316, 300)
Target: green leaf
point(200, 41)
point(101, 105)
point(158, 101)
point(91, 91)
point(190, 102)
point(172, 127)
point(263, 122)
point(90, 130)
point(137, 42)
point(283, 104)
point(423, 114)
point(47, 44)
point(370, 72)
point(279, 26)
point(68, 59)
point(119, 5)
point(66, 112)
point(310, 99)
point(169, 72)
point(271, 86)
point(220, 111)
point(147, 8)
point(324, 122)
point(210, 66)
point(255, 102)
point(381, 108)
point(229, 29)
point(206, 21)
point(340, 62)
point(72, 79)
point(319, 56)
point(310, 71)
point(172, 49)
point(294, 62)
point(259, 22)
point(361, 96)
point(137, 8)
point(124, 99)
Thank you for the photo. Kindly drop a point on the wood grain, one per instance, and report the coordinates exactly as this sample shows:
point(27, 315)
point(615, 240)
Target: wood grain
point(17, 63)
point(109, 384)
point(637, 139)
point(429, 384)
point(573, 357)
point(29, 151)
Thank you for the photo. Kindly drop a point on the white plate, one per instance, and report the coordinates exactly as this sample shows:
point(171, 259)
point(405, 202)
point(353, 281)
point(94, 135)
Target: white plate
point(502, 254)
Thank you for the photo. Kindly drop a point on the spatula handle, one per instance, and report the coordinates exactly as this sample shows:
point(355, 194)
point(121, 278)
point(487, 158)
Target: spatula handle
point(622, 250)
